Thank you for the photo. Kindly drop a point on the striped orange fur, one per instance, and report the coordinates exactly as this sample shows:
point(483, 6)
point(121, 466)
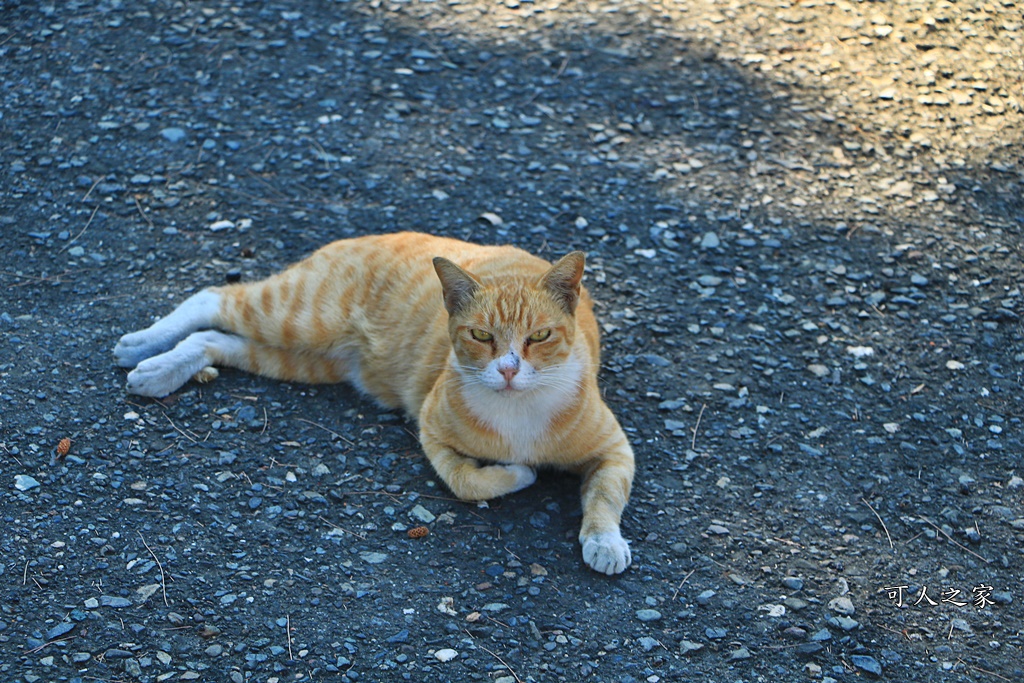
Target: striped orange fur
point(492, 350)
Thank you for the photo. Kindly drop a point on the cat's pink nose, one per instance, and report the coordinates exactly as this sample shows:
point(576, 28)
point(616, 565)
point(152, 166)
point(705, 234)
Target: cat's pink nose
point(509, 373)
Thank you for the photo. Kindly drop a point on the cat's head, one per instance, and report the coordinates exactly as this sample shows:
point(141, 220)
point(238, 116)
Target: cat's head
point(513, 334)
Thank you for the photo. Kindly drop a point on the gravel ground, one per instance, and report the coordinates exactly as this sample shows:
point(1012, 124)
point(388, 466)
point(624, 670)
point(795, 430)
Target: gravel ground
point(804, 222)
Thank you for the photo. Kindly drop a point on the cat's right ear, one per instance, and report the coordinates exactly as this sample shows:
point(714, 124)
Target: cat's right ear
point(459, 286)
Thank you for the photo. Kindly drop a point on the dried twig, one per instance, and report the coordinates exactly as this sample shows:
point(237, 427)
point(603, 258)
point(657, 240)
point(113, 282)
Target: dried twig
point(787, 541)
point(979, 669)
point(340, 528)
point(288, 628)
point(892, 630)
point(954, 542)
point(163, 578)
point(329, 431)
point(142, 213)
point(561, 67)
point(64, 638)
point(503, 663)
point(685, 579)
point(891, 546)
point(87, 224)
point(693, 441)
point(97, 182)
point(178, 429)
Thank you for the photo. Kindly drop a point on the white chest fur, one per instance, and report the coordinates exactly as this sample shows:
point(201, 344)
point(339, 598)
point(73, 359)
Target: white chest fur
point(522, 418)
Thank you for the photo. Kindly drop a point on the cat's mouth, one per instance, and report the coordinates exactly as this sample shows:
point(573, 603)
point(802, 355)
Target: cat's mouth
point(511, 389)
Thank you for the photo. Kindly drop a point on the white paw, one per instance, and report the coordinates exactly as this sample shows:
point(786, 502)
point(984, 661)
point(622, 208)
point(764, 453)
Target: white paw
point(136, 347)
point(195, 313)
point(607, 553)
point(161, 375)
point(524, 476)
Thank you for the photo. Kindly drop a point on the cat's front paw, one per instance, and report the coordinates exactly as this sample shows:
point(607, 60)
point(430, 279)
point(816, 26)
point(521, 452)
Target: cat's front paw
point(491, 481)
point(607, 553)
point(523, 476)
point(494, 481)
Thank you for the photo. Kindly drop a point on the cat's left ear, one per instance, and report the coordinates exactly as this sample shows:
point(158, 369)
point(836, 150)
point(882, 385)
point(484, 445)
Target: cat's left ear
point(459, 286)
point(563, 280)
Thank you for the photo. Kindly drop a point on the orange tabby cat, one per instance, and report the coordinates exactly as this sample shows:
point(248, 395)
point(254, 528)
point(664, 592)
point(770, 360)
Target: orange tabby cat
point(495, 357)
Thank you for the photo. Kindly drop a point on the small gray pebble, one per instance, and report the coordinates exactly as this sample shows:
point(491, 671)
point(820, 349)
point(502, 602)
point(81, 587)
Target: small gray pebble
point(842, 605)
point(793, 583)
point(173, 134)
point(710, 241)
point(114, 601)
point(539, 520)
point(1002, 597)
point(739, 654)
point(246, 413)
point(495, 607)
point(63, 628)
point(844, 623)
point(866, 663)
point(24, 482)
point(422, 514)
point(648, 643)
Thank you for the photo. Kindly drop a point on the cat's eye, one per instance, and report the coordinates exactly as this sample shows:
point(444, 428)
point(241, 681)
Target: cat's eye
point(482, 336)
point(540, 335)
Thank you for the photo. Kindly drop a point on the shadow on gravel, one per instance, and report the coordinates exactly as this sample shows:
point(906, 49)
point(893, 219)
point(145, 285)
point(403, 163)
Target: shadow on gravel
point(997, 193)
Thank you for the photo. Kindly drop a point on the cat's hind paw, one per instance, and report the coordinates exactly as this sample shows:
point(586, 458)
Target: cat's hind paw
point(136, 347)
point(197, 312)
point(607, 553)
point(158, 376)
